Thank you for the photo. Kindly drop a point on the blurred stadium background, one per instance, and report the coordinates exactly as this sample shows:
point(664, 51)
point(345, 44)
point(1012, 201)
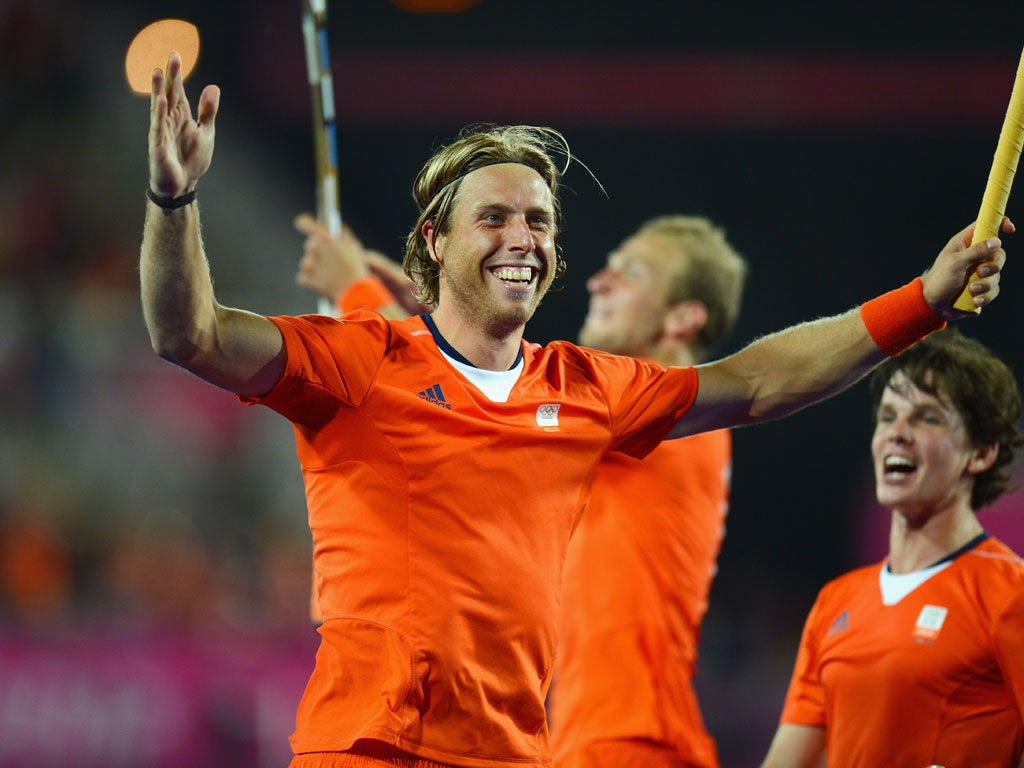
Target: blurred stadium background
point(153, 548)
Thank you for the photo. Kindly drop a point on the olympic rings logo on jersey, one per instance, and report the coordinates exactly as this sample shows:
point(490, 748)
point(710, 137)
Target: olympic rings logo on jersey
point(547, 416)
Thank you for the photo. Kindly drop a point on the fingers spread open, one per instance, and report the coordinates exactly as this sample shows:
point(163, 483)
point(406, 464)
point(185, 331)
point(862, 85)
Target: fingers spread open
point(209, 102)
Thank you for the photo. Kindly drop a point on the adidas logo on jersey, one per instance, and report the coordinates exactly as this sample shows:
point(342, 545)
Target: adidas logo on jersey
point(435, 395)
point(842, 622)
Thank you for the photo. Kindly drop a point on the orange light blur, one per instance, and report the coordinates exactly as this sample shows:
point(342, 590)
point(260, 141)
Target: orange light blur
point(151, 46)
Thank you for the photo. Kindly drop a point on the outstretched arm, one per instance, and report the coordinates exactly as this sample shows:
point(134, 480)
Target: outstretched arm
point(786, 371)
point(239, 351)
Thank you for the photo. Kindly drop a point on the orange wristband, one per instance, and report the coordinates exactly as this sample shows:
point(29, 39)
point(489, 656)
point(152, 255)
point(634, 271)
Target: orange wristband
point(899, 319)
point(365, 293)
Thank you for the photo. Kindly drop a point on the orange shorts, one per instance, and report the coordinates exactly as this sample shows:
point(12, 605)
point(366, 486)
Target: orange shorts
point(365, 754)
point(625, 753)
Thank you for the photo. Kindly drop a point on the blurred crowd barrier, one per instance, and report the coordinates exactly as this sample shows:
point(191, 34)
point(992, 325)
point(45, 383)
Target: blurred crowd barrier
point(161, 700)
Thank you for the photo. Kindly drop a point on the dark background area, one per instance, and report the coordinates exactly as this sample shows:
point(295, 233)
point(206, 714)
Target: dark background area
point(840, 148)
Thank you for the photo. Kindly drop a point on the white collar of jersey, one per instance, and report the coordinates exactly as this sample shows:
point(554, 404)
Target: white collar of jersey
point(496, 385)
point(897, 586)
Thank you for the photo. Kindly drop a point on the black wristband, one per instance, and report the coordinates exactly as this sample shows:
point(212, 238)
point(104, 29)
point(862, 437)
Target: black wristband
point(169, 204)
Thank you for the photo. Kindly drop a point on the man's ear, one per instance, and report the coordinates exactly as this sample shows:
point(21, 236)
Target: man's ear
point(430, 237)
point(684, 320)
point(983, 458)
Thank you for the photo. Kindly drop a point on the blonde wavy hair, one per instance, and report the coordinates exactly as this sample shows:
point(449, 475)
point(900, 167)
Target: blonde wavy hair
point(712, 272)
point(436, 187)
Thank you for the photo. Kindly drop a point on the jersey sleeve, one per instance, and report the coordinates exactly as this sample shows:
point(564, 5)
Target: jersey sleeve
point(645, 400)
point(328, 363)
point(1008, 641)
point(805, 699)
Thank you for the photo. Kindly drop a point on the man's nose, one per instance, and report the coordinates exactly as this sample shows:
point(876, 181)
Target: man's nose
point(599, 281)
point(899, 430)
point(520, 235)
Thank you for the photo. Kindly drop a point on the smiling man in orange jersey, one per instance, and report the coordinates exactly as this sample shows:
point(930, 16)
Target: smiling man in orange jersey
point(637, 575)
point(919, 660)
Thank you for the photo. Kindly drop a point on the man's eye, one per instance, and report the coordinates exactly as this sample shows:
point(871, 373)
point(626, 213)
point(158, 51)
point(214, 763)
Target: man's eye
point(633, 272)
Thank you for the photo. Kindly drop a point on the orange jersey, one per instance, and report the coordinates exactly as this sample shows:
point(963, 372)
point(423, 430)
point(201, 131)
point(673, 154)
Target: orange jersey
point(935, 679)
point(440, 521)
point(637, 579)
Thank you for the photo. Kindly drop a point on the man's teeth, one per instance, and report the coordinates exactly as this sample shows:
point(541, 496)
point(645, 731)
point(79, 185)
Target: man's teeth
point(514, 274)
point(899, 464)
